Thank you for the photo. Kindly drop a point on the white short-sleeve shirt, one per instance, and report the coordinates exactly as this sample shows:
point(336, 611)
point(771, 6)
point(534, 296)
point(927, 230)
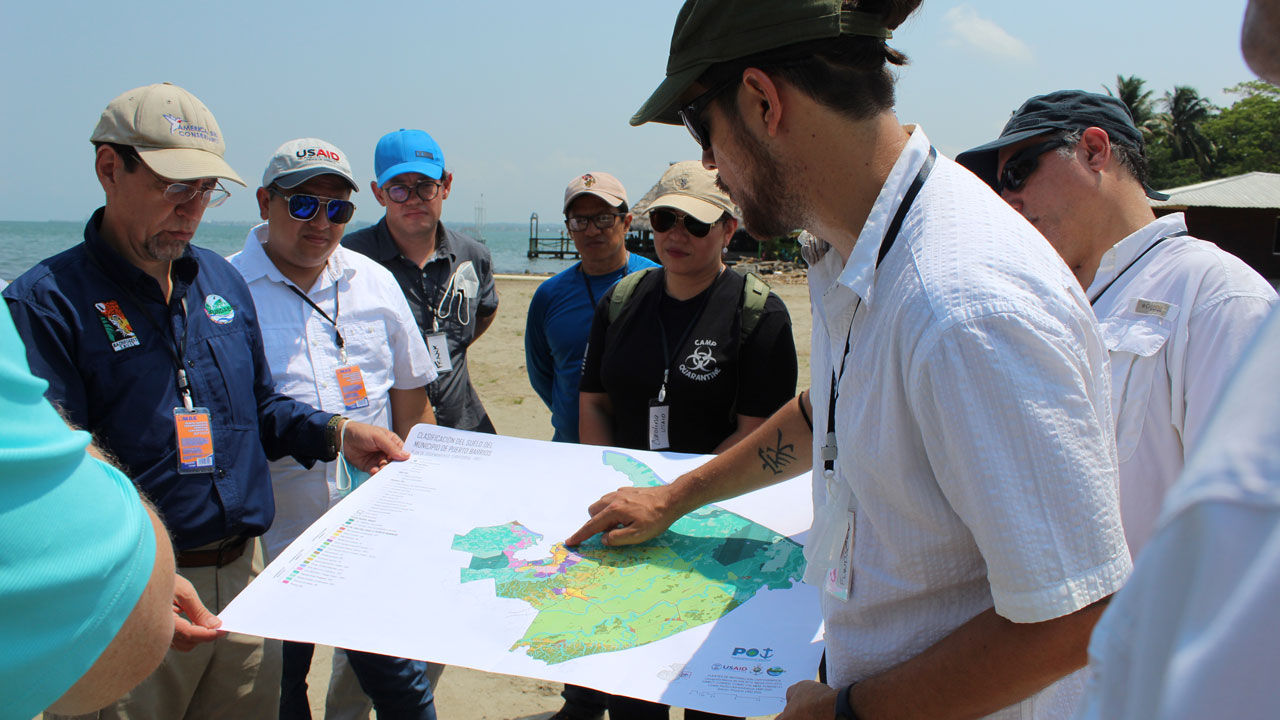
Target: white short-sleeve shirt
point(975, 438)
point(1175, 323)
point(380, 335)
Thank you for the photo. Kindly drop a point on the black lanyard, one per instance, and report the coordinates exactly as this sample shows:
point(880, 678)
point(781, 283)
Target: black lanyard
point(668, 355)
point(1128, 267)
point(177, 349)
point(586, 279)
point(332, 320)
point(829, 450)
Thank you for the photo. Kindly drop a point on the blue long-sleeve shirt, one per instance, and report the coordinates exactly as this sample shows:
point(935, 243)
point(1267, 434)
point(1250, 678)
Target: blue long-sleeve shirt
point(555, 338)
point(83, 314)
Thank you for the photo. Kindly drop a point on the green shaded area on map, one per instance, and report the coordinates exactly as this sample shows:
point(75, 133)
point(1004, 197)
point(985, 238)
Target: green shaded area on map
point(594, 599)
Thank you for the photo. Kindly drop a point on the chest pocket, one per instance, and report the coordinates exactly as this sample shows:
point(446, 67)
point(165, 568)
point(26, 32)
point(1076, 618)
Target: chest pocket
point(367, 345)
point(1134, 343)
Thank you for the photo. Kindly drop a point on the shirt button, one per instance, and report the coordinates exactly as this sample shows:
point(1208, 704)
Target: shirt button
point(222, 472)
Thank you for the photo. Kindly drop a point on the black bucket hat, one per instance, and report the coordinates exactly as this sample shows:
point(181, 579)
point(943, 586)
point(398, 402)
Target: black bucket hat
point(1064, 110)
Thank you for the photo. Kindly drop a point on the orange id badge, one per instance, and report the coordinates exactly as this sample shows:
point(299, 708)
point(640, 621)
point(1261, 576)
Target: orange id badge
point(195, 440)
point(351, 383)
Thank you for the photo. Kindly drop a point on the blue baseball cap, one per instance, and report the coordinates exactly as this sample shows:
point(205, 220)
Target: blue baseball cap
point(407, 151)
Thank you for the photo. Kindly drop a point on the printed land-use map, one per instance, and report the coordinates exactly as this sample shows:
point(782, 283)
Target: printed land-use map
point(594, 599)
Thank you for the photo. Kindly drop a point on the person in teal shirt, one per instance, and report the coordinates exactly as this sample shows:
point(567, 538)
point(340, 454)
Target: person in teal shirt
point(86, 570)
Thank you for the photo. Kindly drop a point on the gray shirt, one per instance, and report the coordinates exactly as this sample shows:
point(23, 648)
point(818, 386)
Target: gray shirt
point(447, 295)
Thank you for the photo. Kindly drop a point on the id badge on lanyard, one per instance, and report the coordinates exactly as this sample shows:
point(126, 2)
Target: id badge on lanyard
point(438, 348)
point(351, 384)
point(659, 420)
point(839, 581)
point(195, 439)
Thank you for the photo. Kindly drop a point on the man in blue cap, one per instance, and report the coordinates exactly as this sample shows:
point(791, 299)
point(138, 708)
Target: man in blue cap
point(446, 276)
point(1176, 312)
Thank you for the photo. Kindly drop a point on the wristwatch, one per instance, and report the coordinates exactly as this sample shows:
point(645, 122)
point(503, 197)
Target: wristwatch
point(843, 711)
point(333, 436)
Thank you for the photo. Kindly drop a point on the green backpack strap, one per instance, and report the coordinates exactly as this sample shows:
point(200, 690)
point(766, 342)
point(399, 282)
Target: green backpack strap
point(623, 290)
point(754, 295)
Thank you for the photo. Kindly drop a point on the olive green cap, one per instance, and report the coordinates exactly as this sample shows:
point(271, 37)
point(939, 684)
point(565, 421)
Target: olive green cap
point(708, 32)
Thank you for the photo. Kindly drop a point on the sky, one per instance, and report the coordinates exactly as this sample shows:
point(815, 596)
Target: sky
point(521, 96)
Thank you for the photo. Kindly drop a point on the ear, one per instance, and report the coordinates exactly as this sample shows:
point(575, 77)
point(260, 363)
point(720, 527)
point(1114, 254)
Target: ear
point(446, 184)
point(264, 201)
point(1097, 148)
point(730, 227)
point(763, 100)
point(626, 222)
point(377, 193)
point(108, 166)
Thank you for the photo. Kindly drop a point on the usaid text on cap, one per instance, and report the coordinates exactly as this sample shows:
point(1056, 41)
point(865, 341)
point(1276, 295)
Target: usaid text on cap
point(318, 152)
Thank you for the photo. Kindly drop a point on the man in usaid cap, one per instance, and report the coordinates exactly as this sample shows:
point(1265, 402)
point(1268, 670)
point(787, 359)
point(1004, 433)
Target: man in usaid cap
point(446, 276)
point(364, 357)
point(153, 346)
point(966, 530)
point(559, 320)
point(1176, 312)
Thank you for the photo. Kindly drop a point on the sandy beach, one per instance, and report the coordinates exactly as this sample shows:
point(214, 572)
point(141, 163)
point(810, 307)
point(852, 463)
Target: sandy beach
point(498, 371)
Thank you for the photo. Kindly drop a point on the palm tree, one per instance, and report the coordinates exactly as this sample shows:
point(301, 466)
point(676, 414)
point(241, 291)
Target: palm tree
point(1130, 91)
point(1179, 126)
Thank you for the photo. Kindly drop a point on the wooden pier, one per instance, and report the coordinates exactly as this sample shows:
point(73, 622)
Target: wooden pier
point(561, 248)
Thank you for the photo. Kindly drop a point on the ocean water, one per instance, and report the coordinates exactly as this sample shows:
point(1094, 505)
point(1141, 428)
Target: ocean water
point(23, 244)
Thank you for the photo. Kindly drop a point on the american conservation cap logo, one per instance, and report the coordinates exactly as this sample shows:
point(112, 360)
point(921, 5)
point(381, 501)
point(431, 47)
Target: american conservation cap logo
point(219, 310)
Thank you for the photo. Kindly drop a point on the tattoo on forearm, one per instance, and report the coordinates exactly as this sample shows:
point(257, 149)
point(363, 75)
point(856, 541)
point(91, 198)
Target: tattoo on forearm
point(774, 459)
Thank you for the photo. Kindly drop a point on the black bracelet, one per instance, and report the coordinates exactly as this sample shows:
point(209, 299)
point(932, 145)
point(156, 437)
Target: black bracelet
point(332, 437)
point(803, 414)
point(843, 710)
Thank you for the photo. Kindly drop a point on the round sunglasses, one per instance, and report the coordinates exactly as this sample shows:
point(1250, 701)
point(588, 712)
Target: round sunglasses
point(305, 207)
point(664, 220)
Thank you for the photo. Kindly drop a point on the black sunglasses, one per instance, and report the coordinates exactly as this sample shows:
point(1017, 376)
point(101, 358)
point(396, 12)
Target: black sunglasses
point(305, 207)
point(1019, 167)
point(664, 220)
point(691, 114)
point(427, 190)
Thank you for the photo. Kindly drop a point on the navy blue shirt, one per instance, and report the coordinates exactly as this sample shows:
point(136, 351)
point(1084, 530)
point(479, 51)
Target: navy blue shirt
point(83, 314)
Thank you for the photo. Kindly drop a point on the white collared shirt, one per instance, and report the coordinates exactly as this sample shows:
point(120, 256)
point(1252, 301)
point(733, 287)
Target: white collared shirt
point(975, 440)
point(1175, 324)
point(380, 336)
point(1193, 634)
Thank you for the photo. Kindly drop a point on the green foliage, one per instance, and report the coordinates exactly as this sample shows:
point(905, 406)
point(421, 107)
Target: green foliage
point(1247, 133)
point(1189, 140)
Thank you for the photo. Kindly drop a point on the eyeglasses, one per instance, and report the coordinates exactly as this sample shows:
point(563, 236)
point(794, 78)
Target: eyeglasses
point(604, 221)
point(664, 220)
point(691, 114)
point(180, 193)
point(306, 207)
point(427, 190)
point(1019, 167)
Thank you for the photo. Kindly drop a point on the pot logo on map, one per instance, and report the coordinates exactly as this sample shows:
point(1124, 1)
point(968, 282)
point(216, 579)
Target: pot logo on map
point(596, 599)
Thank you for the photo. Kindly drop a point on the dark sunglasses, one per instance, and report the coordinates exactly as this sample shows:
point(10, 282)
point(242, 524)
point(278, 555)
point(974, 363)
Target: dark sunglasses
point(1019, 167)
point(305, 207)
point(427, 190)
point(691, 114)
point(604, 221)
point(664, 220)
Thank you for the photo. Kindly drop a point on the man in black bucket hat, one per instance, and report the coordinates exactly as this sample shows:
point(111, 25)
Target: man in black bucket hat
point(1176, 312)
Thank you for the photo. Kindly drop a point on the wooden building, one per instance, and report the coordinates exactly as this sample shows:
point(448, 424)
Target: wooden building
point(1240, 214)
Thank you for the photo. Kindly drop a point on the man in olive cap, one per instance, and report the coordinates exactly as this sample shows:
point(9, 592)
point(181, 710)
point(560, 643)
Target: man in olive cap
point(1176, 312)
point(966, 524)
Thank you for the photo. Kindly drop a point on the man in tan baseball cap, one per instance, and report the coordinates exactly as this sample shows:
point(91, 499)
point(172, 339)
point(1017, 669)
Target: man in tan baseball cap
point(152, 345)
point(170, 129)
